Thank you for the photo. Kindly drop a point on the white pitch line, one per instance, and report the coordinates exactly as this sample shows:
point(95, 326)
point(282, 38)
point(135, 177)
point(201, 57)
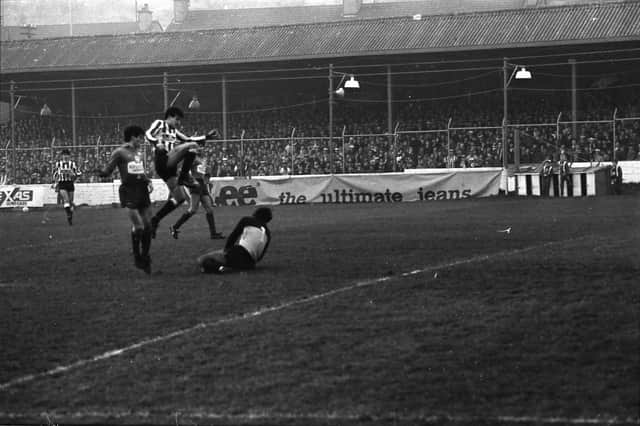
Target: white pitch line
point(234, 318)
point(333, 416)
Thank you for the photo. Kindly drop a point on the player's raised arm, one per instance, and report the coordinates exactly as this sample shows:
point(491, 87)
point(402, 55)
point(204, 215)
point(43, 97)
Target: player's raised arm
point(111, 166)
point(55, 175)
point(76, 170)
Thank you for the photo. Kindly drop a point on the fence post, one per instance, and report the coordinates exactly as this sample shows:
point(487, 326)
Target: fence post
point(165, 89)
point(558, 130)
point(344, 131)
point(293, 132)
point(12, 93)
point(242, 153)
point(613, 124)
point(574, 100)
point(505, 118)
point(6, 161)
point(395, 147)
point(516, 147)
point(331, 118)
point(74, 113)
point(449, 134)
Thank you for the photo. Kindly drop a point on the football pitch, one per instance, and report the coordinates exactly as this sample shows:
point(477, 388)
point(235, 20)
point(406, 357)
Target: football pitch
point(468, 312)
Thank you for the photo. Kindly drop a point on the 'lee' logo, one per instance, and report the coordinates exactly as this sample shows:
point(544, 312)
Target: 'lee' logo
point(242, 196)
point(15, 196)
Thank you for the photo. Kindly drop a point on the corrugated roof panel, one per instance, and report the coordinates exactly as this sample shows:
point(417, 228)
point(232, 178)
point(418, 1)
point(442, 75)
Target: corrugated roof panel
point(512, 28)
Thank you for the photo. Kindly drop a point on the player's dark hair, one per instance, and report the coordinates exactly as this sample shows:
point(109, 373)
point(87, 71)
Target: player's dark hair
point(263, 214)
point(132, 132)
point(173, 112)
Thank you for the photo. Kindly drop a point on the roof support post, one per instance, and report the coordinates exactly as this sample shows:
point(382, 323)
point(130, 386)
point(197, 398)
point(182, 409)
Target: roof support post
point(331, 117)
point(165, 89)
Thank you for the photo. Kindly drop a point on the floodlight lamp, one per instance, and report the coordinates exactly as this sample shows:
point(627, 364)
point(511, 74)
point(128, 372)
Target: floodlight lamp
point(523, 74)
point(194, 103)
point(45, 110)
point(339, 92)
point(352, 83)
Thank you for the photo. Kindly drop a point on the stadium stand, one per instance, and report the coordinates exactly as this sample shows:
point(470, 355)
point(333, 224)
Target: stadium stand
point(266, 136)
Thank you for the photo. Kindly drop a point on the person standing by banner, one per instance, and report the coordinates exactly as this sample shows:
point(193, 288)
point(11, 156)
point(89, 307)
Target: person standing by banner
point(616, 177)
point(545, 177)
point(565, 177)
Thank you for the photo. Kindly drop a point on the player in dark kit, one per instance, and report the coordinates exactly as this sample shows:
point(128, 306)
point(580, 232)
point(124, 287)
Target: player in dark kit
point(245, 247)
point(134, 192)
point(199, 195)
point(170, 147)
point(65, 173)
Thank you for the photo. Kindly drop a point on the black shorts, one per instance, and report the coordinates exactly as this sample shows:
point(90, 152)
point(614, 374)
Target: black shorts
point(161, 159)
point(201, 190)
point(66, 185)
point(238, 257)
point(134, 195)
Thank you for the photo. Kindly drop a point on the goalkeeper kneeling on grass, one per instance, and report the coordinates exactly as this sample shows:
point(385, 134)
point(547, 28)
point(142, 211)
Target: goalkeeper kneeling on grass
point(245, 246)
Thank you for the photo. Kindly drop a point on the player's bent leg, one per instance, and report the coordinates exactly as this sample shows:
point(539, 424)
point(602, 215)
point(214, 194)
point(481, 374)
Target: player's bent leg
point(207, 203)
point(212, 262)
point(144, 215)
point(179, 152)
point(178, 193)
point(136, 236)
point(66, 198)
point(176, 197)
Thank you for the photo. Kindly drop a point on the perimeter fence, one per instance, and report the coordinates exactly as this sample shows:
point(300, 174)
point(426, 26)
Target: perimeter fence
point(450, 147)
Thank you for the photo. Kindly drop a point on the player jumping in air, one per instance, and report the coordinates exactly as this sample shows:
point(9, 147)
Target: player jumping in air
point(65, 173)
point(170, 147)
point(134, 192)
point(245, 247)
point(199, 195)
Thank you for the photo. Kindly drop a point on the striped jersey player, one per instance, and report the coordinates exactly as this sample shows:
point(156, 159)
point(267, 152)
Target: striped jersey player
point(170, 147)
point(65, 173)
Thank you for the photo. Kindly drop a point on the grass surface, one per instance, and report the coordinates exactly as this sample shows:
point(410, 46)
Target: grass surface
point(423, 313)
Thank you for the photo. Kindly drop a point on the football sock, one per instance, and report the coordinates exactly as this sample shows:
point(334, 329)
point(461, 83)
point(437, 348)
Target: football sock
point(187, 162)
point(185, 217)
point(212, 223)
point(136, 236)
point(167, 208)
point(146, 241)
point(69, 212)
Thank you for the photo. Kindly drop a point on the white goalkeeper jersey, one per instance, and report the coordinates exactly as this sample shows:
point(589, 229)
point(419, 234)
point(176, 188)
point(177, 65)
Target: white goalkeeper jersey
point(254, 239)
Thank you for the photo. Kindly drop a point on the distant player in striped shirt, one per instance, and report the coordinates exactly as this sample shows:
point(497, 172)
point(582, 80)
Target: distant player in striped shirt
point(65, 173)
point(199, 195)
point(170, 147)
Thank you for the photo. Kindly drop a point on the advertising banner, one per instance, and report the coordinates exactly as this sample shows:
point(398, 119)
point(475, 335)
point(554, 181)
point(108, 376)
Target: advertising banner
point(21, 196)
point(345, 189)
point(97, 194)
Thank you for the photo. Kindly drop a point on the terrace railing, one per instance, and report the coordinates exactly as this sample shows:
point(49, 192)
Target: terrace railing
point(453, 146)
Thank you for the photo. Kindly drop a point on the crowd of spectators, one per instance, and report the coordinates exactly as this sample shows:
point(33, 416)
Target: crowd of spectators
point(265, 142)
